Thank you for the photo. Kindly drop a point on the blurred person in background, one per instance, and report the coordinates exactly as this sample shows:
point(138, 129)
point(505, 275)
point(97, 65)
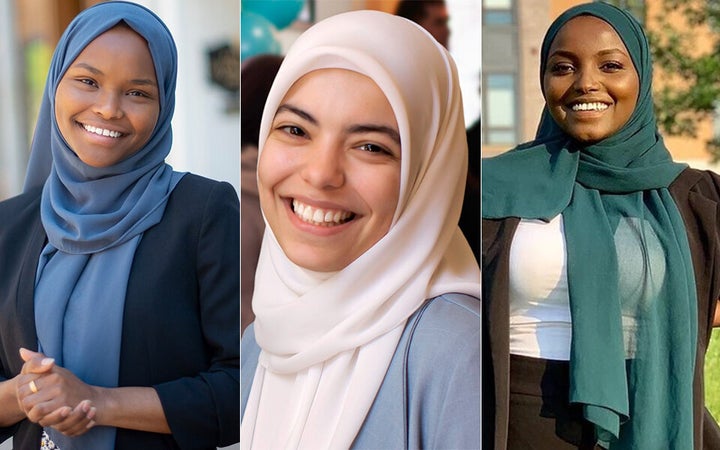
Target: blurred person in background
point(470, 216)
point(429, 14)
point(256, 77)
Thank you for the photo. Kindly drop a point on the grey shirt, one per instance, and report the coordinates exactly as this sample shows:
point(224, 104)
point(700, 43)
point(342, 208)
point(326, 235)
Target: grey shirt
point(430, 397)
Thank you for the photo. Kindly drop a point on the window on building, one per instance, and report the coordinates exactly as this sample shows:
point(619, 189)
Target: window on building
point(636, 7)
point(497, 12)
point(499, 109)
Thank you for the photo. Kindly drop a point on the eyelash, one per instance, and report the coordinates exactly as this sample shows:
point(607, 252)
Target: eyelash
point(293, 130)
point(368, 147)
point(612, 66)
point(88, 81)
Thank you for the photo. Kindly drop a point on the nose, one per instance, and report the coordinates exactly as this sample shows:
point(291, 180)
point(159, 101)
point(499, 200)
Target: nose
point(323, 166)
point(586, 80)
point(108, 105)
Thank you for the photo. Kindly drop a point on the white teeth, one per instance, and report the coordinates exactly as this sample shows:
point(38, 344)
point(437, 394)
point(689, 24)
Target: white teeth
point(319, 216)
point(595, 106)
point(102, 131)
point(307, 215)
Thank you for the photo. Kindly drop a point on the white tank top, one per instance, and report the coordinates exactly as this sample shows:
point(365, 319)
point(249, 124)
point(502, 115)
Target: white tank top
point(540, 321)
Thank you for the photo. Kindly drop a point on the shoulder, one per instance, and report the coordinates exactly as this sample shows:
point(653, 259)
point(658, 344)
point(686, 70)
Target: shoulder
point(17, 213)
point(697, 196)
point(201, 220)
point(705, 183)
point(459, 312)
point(27, 201)
point(446, 326)
point(198, 188)
point(199, 198)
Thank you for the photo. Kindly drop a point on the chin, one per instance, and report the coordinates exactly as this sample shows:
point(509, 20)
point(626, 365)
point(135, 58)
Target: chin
point(316, 263)
point(588, 138)
point(589, 135)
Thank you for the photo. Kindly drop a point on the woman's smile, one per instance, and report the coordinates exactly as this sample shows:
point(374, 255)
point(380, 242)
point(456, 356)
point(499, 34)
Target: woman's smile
point(589, 106)
point(321, 216)
point(99, 131)
point(589, 112)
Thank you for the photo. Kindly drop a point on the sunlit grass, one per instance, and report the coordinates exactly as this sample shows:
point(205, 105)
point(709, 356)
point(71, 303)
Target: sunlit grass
point(712, 375)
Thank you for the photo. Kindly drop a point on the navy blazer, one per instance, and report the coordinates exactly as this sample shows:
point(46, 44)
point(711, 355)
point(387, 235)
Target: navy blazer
point(181, 323)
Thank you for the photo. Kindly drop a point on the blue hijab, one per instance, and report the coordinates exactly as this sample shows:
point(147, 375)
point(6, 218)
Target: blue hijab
point(630, 276)
point(95, 217)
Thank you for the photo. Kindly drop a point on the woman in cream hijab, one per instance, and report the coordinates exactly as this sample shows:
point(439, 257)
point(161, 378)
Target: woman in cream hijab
point(367, 329)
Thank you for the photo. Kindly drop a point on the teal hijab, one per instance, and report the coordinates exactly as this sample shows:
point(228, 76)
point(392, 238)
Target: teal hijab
point(630, 275)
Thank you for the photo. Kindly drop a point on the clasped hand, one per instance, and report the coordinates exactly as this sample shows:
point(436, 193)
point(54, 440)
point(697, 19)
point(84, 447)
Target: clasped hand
point(52, 396)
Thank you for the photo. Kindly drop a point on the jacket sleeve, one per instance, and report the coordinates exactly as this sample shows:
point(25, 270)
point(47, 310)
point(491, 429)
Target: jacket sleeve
point(697, 196)
point(203, 411)
point(9, 431)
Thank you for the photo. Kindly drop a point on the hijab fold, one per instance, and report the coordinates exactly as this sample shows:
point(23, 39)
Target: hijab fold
point(327, 339)
point(95, 217)
point(613, 195)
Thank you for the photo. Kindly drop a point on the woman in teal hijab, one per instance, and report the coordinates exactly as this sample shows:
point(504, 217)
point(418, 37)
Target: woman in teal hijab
point(589, 246)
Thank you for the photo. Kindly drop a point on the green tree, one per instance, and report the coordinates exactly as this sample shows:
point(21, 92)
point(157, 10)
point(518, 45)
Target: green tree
point(688, 90)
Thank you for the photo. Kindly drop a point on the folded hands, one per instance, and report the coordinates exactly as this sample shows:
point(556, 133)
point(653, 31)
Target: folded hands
point(52, 396)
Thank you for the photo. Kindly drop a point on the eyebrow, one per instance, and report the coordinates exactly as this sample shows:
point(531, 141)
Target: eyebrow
point(297, 111)
point(372, 128)
point(353, 129)
point(570, 54)
point(96, 71)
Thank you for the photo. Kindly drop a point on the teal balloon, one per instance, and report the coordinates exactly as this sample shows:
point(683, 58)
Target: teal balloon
point(257, 36)
point(280, 13)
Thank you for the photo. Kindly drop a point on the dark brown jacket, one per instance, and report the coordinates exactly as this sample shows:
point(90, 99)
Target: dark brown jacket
point(697, 195)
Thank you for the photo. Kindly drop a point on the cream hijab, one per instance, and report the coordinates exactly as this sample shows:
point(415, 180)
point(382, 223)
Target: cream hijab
point(327, 339)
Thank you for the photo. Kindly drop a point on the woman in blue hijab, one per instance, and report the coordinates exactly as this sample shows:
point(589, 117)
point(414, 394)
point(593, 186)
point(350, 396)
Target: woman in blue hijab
point(119, 295)
point(599, 257)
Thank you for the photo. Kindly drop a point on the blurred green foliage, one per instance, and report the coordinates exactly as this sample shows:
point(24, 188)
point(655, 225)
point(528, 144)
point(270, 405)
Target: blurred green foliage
point(689, 87)
point(712, 375)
